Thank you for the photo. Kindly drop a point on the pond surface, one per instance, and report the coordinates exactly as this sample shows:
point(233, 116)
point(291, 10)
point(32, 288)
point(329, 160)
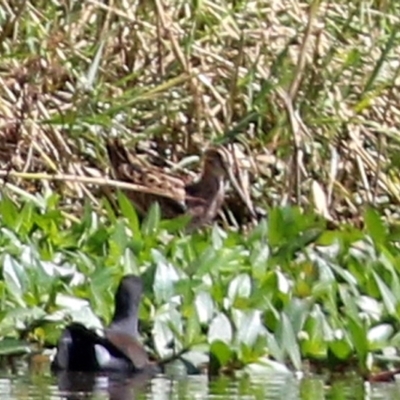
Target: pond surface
point(42, 385)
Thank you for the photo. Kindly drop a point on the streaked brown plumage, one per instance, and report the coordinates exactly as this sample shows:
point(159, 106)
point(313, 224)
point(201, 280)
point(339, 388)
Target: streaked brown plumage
point(201, 199)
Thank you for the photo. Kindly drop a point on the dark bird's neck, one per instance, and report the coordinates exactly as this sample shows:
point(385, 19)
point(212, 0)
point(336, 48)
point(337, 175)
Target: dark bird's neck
point(126, 322)
point(125, 317)
point(207, 187)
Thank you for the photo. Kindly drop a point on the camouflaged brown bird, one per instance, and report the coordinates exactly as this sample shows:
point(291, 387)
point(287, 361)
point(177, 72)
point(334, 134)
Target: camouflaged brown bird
point(201, 199)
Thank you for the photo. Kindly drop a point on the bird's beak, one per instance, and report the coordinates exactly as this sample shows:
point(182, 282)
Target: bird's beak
point(244, 195)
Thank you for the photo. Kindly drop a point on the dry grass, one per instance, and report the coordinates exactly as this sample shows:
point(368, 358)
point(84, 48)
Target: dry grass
point(309, 90)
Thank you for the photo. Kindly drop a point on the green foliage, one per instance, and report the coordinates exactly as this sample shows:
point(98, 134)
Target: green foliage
point(289, 290)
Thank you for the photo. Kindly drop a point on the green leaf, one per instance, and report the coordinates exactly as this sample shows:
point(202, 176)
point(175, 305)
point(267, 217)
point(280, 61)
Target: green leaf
point(259, 233)
point(204, 306)
point(298, 310)
point(217, 237)
point(375, 226)
point(276, 227)
point(11, 346)
point(193, 328)
point(317, 334)
point(176, 224)
point(129, 212)
point(8, 212)
point(164, 278)
point(341, 348)
point(96, 241)
point(388, 298)
point(289, 341)
point(248, 326)
point(106, 205)
point(151, 223)
point(221, 351)
point(240, 286)
point(220, 329)
point(259, 259)
point(379, 336)
point(25, 221)
point(15, 277)
point(119, 238)
point(358, 333)
point(167, 329)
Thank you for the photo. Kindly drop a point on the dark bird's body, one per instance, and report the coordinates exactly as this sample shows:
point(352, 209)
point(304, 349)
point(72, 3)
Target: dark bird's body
point(201, 200)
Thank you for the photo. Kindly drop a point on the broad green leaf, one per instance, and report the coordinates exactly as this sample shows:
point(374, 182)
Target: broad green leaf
point(275, 348)
point(164, 278)
point(25, 221)
point(341, 348)
point(259, 258)
point(298, 310)
point(10, 346)
point(168, 328)
point(370, 306)
point(289, 342)
point(129, 212)
point(276, 227)
point(221, 351)
point(375, 226)
point(20, 318)
point(106, 205)
point(259, 233)
point(379, 336)
point(204, 306)
point(8, 212)
point(358, 334)
point(176, 224)
point(151, 223)
point(316, 334)
point(15, 277)
point(240, 286)
point(220, 329)
point(248, 326)
point(119, 238)
point(130, 263)
point(193, 329)
point(96, 241)
point(349, 301)
point(217, 237)
point(267, 366)
point(388, 298)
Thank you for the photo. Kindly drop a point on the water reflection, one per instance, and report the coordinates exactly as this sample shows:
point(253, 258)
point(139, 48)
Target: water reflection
point(34, 385)
point(72, 385)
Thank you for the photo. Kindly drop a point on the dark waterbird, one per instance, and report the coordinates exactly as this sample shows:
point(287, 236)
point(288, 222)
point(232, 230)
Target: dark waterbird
point(81, 349)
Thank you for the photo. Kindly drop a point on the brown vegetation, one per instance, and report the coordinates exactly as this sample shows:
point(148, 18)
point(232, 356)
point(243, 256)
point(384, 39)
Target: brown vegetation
point(309, 94)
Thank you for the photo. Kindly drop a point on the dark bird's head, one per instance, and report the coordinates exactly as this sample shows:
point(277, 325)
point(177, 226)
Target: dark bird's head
point(217, 162)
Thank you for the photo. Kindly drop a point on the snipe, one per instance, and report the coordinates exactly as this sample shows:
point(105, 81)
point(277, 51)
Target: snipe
point(201, 199)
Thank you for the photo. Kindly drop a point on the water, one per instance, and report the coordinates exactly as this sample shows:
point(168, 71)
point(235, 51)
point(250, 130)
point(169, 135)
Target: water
point(39, 384)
